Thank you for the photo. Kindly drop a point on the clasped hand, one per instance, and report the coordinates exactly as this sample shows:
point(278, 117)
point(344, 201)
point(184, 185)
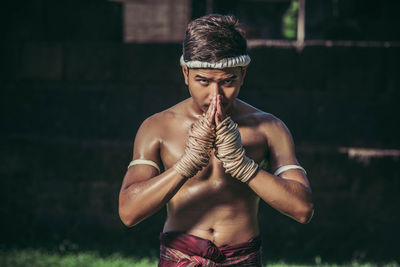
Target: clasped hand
point(215, 130)
point(215, 114)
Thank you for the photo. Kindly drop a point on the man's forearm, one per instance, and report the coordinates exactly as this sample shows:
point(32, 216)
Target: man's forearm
point(142, 199)
point(290, 197)
point(139, 200)
point(230, 151)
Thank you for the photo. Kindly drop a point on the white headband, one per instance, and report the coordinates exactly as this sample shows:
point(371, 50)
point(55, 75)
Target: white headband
point(231, 62)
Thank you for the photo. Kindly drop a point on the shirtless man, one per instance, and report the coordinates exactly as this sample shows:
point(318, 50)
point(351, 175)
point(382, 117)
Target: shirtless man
point(210, 146)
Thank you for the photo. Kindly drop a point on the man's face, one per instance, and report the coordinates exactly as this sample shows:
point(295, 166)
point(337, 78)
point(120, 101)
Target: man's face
point(204, 83)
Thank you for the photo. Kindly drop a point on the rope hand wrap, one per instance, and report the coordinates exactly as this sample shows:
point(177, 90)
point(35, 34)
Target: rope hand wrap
point(230, 151)
point(198, 148)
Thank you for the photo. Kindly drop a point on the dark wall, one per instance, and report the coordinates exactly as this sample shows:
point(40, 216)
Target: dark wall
point(102, 20)
point(367, 20)
point(352, 20)
point(336, 95)
point(70, 112)
point(63, 20)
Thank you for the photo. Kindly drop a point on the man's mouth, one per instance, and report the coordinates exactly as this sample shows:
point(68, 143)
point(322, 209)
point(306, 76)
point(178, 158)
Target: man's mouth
point(206, 106)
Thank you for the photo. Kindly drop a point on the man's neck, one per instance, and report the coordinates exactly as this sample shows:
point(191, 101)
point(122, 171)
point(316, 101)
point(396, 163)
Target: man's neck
point(231, 111)
point(193, 109)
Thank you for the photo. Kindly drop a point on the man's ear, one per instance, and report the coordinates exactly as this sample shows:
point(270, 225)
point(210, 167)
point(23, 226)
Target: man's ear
point(243, 71)
point(185, 72)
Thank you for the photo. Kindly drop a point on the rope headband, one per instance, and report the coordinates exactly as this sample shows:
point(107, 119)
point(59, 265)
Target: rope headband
point(230, 62)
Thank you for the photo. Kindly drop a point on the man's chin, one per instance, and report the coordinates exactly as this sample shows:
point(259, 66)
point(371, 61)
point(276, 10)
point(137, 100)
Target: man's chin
point(204, 108)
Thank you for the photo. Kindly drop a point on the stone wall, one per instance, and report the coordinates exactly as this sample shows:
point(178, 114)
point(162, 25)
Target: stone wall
point(70, 112)
point(156, 20)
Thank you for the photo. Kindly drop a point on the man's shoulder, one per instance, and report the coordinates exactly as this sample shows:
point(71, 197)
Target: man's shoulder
point(271, 126)
point(249, 113)
point(165, 117)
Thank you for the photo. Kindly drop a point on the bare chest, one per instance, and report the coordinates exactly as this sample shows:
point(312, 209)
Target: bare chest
point(174, 141)
point(211, 197)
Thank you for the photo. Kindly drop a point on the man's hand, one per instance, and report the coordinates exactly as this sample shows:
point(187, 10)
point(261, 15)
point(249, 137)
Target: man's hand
point(199, 143)
point(219, 112)
point(229, 148)
point(212, 110)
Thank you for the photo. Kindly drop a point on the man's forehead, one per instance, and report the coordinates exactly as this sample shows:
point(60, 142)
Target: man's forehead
point(220, 73)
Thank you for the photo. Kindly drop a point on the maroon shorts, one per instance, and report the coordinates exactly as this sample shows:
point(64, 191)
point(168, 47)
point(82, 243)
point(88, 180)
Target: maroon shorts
point(180, 249)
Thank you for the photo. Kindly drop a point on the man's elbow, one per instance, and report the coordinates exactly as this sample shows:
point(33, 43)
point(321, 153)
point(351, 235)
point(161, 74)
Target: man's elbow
point(306, 214)
point(129, 219)
point(126, 219)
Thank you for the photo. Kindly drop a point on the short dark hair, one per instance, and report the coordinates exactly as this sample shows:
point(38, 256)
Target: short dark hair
point(214, 37)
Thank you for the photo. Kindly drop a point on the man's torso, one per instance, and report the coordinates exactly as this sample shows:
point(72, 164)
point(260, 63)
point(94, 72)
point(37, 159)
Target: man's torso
point(212, 204)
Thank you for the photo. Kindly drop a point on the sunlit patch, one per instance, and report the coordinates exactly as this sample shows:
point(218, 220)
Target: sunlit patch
point(365, 155)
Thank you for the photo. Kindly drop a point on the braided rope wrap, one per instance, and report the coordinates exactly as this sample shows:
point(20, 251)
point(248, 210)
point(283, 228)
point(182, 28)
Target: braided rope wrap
point(198, 148)
point(231, 62)
point(230, 151)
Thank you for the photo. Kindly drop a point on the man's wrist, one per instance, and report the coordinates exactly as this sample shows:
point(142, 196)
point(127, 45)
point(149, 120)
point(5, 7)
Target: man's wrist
point(230, 151)
point(198, 148)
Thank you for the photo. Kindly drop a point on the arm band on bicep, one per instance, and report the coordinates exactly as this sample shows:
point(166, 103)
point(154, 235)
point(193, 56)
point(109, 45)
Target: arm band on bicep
point(144, 162)
point(288, 167)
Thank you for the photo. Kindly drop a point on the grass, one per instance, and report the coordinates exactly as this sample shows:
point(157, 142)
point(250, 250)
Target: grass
point(39, 258)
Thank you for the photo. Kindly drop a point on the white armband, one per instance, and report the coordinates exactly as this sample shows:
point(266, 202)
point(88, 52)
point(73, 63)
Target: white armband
point(288, 167)
point(145, 162)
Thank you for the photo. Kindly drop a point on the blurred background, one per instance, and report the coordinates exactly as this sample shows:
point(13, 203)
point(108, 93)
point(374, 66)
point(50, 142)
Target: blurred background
point(78, 77)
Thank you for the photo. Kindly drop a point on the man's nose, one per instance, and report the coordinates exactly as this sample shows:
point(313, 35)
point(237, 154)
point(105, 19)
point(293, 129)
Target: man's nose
point(215, 88)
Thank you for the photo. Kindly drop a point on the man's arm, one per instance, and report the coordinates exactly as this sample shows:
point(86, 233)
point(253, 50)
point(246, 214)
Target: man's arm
point(144, 191)
point(290, 192)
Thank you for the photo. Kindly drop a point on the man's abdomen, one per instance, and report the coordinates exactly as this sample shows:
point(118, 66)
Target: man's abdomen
point(222, 210)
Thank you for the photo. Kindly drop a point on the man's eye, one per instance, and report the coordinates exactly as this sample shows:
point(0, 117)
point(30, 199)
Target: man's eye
point(228, 82)
point(204, 82)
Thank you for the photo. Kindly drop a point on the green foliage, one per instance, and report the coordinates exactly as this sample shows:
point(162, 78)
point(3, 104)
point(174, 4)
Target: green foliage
point(39, 258)
point(352, 264)
point(289, 20)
